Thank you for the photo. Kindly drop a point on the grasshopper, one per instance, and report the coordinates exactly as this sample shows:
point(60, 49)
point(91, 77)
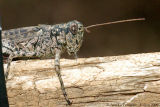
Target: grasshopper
point(47, 40)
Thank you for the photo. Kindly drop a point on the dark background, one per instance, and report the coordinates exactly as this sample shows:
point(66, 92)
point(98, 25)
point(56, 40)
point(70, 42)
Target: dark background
point(116, 39)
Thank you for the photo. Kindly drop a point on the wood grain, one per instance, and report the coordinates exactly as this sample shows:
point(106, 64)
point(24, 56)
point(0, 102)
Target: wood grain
point(127, 80)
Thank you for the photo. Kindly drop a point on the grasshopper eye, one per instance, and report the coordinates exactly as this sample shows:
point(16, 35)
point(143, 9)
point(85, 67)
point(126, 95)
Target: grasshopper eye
point(74, 28)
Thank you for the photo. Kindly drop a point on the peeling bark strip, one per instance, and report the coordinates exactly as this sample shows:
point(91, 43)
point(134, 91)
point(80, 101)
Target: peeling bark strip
point(131, 80)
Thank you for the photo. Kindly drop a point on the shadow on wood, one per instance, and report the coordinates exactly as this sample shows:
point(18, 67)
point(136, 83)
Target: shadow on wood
point(92, 82)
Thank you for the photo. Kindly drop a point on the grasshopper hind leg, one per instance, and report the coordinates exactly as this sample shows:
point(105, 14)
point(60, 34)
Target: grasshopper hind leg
point(10, 58)
point(16, 55)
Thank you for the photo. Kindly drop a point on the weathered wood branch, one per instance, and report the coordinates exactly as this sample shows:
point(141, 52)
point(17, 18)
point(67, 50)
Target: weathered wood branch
point(94, 82)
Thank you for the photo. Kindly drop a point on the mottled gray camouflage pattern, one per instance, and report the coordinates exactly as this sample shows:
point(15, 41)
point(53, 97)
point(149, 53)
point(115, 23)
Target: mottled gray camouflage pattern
point(43, 41)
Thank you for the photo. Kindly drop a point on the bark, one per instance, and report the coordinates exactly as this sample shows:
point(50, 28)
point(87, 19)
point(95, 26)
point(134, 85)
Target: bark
point(127, 80)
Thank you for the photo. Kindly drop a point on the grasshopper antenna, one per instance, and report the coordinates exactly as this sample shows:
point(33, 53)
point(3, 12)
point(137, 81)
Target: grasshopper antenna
point(114, 22)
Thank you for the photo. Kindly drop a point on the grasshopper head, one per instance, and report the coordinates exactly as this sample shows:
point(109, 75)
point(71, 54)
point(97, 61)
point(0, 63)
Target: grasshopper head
point(74, 37)
point(75, 31)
